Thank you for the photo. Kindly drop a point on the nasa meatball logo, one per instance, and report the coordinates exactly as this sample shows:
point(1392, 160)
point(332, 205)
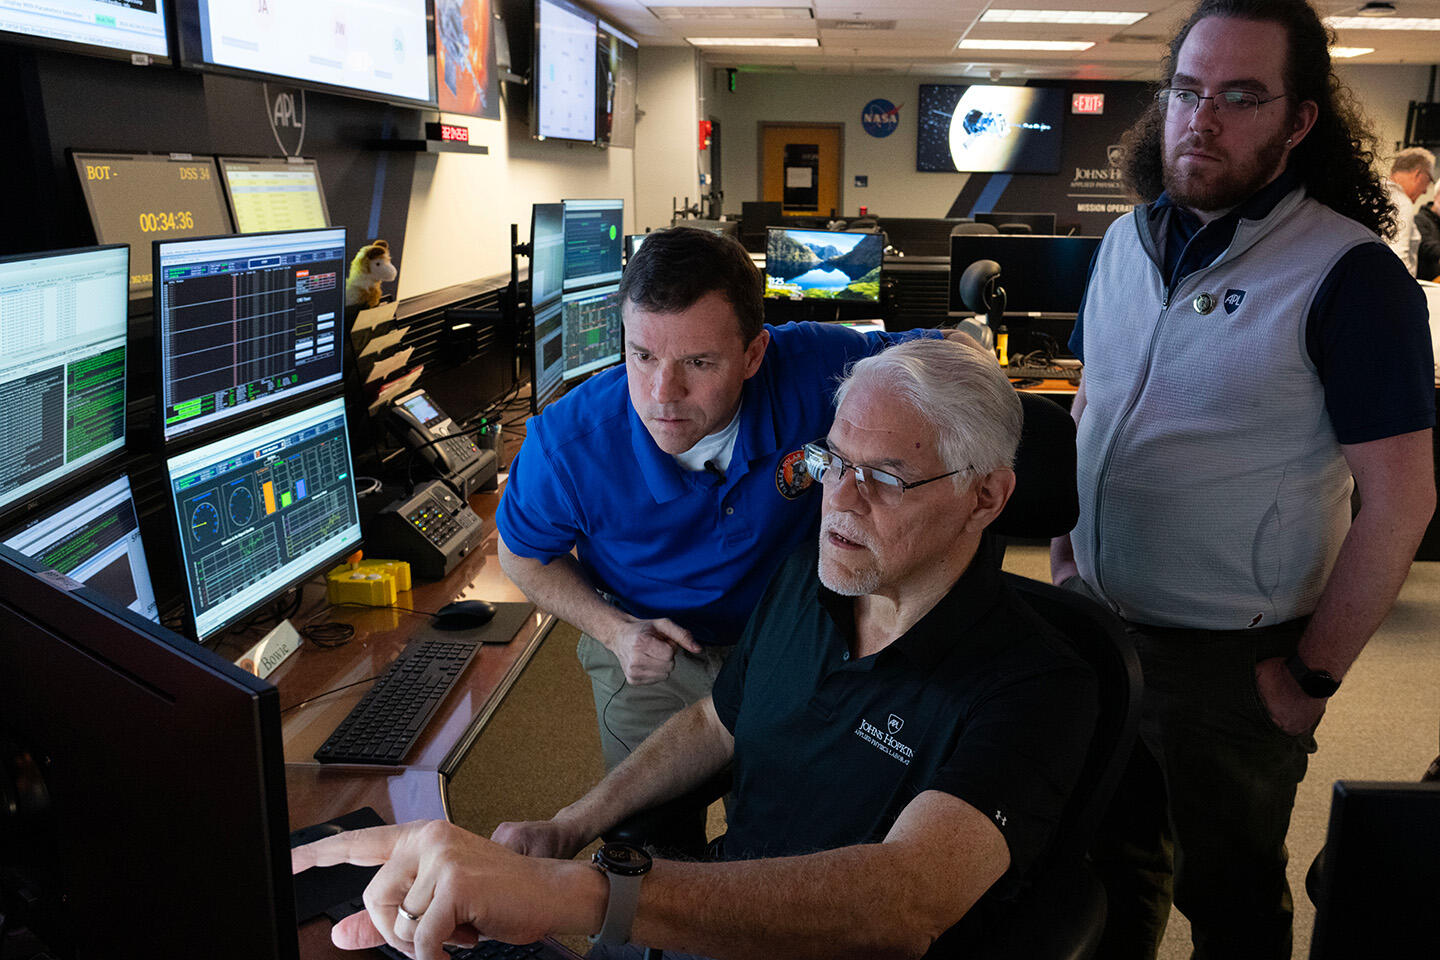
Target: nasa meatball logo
point(791, 477)
point(880, 117)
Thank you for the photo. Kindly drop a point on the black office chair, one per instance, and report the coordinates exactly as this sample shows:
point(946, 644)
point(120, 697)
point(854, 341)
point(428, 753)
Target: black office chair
point(965, 229)
point(1013, 227)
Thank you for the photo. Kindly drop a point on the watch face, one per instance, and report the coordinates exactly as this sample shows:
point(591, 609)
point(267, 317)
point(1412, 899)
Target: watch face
point(623, 858)
point(1319, 684)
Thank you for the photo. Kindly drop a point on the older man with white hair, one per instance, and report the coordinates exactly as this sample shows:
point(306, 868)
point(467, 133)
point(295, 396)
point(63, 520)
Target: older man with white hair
point(1412, 172)
point(904, 731)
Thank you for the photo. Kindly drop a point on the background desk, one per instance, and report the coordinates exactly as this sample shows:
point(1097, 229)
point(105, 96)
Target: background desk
point(418, 790)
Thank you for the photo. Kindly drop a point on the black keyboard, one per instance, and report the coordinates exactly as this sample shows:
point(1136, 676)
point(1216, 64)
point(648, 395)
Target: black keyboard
point(484, 950)
point(1043, 372)
point(386, 723)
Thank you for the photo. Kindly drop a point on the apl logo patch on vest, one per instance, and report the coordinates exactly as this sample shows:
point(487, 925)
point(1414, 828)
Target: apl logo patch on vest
point(1233, 299)
point(880, 117)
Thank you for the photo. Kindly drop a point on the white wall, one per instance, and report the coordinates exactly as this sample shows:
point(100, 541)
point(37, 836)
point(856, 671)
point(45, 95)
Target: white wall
point(1384, 91)
point(667, 134)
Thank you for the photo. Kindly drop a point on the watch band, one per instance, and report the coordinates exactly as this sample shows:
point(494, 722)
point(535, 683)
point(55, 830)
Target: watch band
point(620, 910)
point(1318, 684)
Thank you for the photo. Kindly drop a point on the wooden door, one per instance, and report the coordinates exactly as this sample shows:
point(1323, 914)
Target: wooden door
point(800, 166)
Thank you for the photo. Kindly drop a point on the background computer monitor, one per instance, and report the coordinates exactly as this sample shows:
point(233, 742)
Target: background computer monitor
point(162, 821)
point(989, 128)
point(591, 330)
point(1036, 223)
point(594, 238)
point(1380, 873)
point(549, 340)
point(259, 511)
point(129, 31)
point(267, 196)
point(617, 67)
point(547, 251)
point(633, 242)
point(564, 75)
point(137, 198)
point(1042, 276)
point(244, 322)
point(823, 265)
point(62, 369)
point(93, 538)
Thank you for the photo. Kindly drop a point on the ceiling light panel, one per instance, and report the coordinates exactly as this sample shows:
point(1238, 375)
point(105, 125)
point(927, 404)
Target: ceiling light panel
point(1389, 23)
point(1345, 53)
point(1053, 46)
point(753, 41)
point(731, 14)
point(1112, 17)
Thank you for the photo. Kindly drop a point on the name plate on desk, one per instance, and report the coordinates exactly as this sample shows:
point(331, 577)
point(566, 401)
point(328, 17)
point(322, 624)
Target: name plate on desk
point(271, 651)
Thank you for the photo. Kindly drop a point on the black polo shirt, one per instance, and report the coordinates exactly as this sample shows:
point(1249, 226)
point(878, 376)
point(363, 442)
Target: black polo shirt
point(980, 699)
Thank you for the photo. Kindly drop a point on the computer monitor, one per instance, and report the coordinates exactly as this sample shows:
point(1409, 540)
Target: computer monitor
point(267, 196)
point(547, 251)
point(134, 32)
point(549, 342)
point(1042, 276)
point(93, 539)
point(1380, 877)
point(823, 265)
point(617, 68)
point(244, 322)
point(136, 198)
point(62, 369)
point(633, 242)
point(152, 817)
point(592, 330)
point(564, 75)
point(1036, 223)
point(258, 511)
point(594, 234)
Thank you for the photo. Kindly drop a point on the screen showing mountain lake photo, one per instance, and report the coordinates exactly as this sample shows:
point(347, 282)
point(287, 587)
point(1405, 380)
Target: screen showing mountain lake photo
point(823, 265)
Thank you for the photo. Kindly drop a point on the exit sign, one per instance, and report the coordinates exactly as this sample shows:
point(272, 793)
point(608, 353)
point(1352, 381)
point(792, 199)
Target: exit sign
point(1093, 103)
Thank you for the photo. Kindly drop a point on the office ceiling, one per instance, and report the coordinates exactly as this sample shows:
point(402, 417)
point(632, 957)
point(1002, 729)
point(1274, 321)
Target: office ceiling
point(919, 37)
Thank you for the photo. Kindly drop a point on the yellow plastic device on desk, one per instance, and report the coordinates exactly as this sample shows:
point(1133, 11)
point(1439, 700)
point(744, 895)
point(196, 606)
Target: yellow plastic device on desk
point(376, 583)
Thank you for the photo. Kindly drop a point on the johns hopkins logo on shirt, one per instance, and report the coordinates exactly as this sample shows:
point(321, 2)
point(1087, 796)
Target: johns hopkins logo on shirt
point(880, 117)
point(1233, 299)
point(884, 740)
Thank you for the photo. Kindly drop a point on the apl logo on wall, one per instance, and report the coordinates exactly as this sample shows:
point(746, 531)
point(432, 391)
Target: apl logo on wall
point(285, 109)
point(880, 117)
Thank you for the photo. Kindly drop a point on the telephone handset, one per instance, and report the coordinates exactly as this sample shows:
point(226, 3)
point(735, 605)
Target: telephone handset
point(451, 452)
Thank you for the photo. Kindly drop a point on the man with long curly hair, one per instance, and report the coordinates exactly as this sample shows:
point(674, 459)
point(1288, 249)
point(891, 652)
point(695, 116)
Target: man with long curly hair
point(1250, 345)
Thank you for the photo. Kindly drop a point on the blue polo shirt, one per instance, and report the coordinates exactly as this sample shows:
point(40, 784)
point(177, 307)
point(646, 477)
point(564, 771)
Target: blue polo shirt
point(663, 541)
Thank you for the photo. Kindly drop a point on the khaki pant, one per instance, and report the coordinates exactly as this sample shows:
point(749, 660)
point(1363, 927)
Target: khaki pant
point(626, 713)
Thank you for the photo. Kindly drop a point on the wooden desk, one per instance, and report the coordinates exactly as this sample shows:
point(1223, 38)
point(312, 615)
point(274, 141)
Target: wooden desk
point(318, 792)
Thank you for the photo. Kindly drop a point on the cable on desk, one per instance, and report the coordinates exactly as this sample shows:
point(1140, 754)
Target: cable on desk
point(318, 696)
point(329, 634)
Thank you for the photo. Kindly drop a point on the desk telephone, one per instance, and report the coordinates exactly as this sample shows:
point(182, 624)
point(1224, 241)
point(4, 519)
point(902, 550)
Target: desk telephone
point(451, 452)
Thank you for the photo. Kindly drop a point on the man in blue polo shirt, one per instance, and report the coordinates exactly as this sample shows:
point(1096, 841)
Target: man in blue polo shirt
point(678, 480)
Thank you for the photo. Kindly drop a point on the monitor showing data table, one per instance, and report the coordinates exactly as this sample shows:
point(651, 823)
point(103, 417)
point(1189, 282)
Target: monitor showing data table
point(267, 196)
point(93, 538)
point(132, 30)
point(591, 330)
point(260, 510)
point(594, 242)
point(135, 199)
point(62, 368)
point(244, 322)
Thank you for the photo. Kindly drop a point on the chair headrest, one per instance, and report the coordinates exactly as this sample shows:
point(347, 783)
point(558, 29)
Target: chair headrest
point(1045, 503)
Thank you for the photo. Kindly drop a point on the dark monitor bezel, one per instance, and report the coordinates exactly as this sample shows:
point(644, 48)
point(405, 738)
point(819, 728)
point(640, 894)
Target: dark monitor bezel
point(956, 303)
point(68, 483)
point(1031, 220)
point(190, 49)
point(103, 52)
point(242, 419)
point(282, 162)
point(765, 267)
point(187, 602)
point(537, 65)
point(68, 653)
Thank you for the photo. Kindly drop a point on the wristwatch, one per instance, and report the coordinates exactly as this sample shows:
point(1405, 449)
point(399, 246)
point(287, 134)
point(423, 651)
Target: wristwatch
point(1316, 683)
point(625, 865)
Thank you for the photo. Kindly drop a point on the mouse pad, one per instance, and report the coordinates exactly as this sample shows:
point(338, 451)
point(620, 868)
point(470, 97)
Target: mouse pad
point(319, 888)
point(509, 618)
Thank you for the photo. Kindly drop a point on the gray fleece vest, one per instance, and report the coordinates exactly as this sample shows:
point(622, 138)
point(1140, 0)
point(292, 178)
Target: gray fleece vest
point(1213, 492)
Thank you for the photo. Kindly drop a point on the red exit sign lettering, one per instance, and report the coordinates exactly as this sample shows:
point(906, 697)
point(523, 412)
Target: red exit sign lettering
point(1087, 103)
point(447, 131)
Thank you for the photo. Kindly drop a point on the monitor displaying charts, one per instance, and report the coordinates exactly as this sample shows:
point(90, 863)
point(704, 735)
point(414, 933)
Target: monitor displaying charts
point(62, 367)
point(272, 195)
point(382, 49)
point(594, 242)
point(591, 330)
point(137, 198)
point(564, 75)
point(244, 322)
point(95, 539)
point(260, 510)
point(127, 29)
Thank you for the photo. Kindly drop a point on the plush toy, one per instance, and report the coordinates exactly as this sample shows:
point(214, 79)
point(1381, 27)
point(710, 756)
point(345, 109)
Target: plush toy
point(370, 268)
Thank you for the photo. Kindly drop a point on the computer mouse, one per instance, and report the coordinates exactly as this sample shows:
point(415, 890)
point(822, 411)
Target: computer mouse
point(464, 615)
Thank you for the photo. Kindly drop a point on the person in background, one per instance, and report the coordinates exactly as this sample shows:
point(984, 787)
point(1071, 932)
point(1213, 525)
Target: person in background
point(1427, 256)
point(1252, 353)
point(1411, 174)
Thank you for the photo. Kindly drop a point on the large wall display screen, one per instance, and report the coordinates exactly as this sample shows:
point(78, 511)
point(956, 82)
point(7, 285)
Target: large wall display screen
point(564, 71)
point(617, 64)
point(465, 58)
point(989, 129)
point(380, 48)
point(103, 27)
